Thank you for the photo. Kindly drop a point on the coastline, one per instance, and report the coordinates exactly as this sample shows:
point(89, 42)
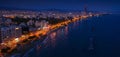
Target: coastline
point(33, 41)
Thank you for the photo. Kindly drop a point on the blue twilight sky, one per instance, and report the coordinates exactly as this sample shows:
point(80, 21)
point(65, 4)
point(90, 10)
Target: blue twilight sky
point(106, 5)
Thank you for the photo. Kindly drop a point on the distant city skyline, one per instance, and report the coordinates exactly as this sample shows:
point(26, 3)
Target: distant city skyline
point(100, 5)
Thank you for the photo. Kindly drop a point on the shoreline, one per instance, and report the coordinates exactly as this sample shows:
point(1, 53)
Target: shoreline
point(33, 41)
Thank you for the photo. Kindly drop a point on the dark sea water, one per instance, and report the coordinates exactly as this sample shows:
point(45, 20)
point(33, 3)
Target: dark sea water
point(91, 37)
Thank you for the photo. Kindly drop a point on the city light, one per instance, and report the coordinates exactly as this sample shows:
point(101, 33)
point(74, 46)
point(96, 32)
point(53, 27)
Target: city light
point(16, 28)
point(17, 39)
point(30, 30)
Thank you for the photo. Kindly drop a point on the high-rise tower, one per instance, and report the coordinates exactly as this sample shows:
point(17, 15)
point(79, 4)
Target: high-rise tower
point(85, 10)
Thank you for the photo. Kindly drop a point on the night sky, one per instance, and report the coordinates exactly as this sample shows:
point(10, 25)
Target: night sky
point(106, 5)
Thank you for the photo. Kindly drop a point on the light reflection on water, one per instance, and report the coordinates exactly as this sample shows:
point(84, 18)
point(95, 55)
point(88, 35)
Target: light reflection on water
point(50, 40)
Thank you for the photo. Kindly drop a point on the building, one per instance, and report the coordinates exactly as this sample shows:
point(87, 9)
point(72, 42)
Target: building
point(30, 23)
point(85, 11)
point(9, 32)
point(2, 20)
point(44, 24)
point(8, 22)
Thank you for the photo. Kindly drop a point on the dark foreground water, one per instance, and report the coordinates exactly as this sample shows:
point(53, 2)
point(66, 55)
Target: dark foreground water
point(92, 37)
